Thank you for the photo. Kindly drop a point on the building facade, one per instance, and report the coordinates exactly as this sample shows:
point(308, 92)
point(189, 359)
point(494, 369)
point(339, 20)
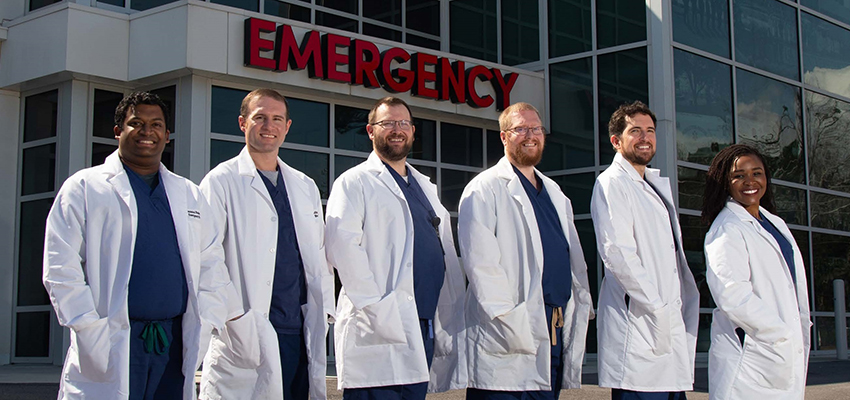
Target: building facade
point(773, 73)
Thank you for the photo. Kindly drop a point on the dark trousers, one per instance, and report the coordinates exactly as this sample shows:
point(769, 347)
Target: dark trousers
point(622, 394)
point(293, 363)
point(415, 391)
point(556, 376)
point(156, 376)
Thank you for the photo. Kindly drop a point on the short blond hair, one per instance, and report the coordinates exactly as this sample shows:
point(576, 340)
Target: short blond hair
point(505, 116)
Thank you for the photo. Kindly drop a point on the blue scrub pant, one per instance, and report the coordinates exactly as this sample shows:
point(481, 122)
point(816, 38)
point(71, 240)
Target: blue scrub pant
point(622, 394)
point(293, 363)
point(156, 376)
point(415, 391)
point(557, 376)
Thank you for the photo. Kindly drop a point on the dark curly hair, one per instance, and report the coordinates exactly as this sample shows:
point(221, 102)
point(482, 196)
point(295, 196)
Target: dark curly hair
point(617, 123)
point(717, 181)
point(134, 99)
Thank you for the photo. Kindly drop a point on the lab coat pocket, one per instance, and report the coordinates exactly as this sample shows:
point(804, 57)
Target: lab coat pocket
point(654, 328)
point(379, 324)
point(243, 340)
point(769, 366)
point(93, 350)
point(510, 333)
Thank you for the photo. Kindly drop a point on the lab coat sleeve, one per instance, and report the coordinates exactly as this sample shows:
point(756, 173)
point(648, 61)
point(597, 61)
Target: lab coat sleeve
point(64, 259)
point(613, 220)
point(728, 278)
point(480, 250)
point(218, 300)
point(344, 242)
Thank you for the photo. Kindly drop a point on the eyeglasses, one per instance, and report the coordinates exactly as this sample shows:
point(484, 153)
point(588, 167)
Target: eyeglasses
point(403, 124)
point(523, 130)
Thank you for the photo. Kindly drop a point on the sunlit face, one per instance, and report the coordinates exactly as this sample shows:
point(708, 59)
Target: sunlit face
point(637, 142)
point(391, 143)
point(748, 182)
point(143, 135)
point(265, 126)
point(524, 150)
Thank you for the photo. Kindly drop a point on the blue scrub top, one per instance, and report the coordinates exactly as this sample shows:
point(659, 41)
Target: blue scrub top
point(557, 275)
point(289, 291)
point(784, 245)
point(157, 289)
point(428, 263)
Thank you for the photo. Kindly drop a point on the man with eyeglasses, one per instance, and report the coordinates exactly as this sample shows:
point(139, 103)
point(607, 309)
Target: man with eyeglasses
point(528, 302)
point(648, 302)
point(399, 332)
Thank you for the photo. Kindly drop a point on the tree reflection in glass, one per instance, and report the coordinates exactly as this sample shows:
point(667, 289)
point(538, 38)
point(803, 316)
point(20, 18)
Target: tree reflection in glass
point(828, 122)
point(769, 118)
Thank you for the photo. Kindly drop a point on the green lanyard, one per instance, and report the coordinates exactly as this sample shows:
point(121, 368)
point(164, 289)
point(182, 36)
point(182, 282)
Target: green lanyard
point(155, 338)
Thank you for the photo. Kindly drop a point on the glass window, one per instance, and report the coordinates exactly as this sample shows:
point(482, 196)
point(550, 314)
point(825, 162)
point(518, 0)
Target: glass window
point(825, 333)
point(103, 113)
point(224, 115)
point(830, 212)
point(495, 148)
point(119, 3)
point(310, 122)
point(520, 32)
point(251, 5)
point(790, 204)
point(578, 188)
point(569, 27)
point(703, 107)
point(620, 22)
point(31, 252)
point(424, 16)
point(142, 5)
point(834, 8)
point(462, 145)
point(314, 165)
point(587, 237)
point(36, 4)
point(32, 334)
point(831, 262)
point(381, 32)
point(431, 172)
point(39, 169)
point(766, 36)
point(622, 79)
point(221, 151)
point(704, 333)
point(828, 122)
point(826, 55)
point(350, 129)
point(423, 42)
point(335, 21)
point(344, 163)
point(453, 184)
point(40, 115)
point(802, 239)
point(693, 242)
point(703, 24)
point(349, 6)
point(168, 156)
point(473, 29)
point(425, 145)
point(570, 144)
point(769, 119)
point(286, 10)
point(168, 95)
point(100, 151)
point(691, 188)
point(388, 11)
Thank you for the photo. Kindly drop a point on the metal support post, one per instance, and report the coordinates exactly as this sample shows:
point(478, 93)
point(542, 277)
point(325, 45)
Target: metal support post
point(840, 319)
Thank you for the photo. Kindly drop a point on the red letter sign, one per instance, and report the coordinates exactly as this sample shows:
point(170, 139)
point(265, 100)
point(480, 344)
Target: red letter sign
point(254, 44)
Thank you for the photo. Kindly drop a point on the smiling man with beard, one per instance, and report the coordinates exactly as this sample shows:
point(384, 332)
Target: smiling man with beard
point(399, 332)
point(528, 300)
point(648, 302)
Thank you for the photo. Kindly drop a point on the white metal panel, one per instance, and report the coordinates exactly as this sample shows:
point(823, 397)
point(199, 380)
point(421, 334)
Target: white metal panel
point(158, 42)
point(207, 37)
point(97, 43)
point(35, 48)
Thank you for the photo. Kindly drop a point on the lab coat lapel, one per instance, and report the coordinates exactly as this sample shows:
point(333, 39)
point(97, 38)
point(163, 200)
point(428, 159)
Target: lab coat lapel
point(376, 165)
point(742, 213)
point(303, 214)
point(657, 202)
point(178, 202)
point(516, 190)
point(560, 202)
point(248, 172)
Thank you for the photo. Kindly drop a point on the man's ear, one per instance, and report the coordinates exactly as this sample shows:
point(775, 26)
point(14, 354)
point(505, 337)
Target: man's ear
point(371, 131)
point(504, 136)
point(615, 141)
point(117, 131)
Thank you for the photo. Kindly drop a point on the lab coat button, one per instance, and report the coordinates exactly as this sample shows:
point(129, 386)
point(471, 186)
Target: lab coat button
point(672, 246)
point(409, 298)
point(678, 301)
point(675, 270)
point(125, 326)
point(266, 315)
point(274, 219)
point(271, 250)
point(268, 283)
point(800, 351)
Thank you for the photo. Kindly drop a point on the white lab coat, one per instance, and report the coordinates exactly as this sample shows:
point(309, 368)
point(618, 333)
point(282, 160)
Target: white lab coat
point(508, 342)
point(244, 211)
point(88, 253)
point(650, 345)
point(369, 240)
point(752, 286)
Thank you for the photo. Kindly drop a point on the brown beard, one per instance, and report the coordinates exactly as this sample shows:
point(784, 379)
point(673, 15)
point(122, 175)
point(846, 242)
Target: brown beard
point(525, 160)
point(633, 158)
point(382, 147)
